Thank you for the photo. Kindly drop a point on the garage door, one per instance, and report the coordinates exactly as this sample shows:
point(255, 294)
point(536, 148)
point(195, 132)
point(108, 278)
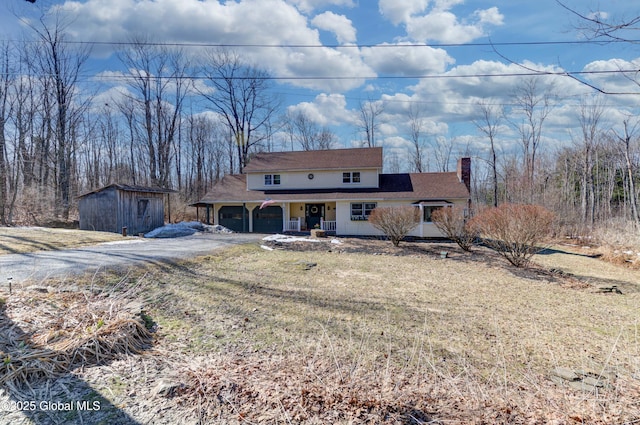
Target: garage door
point(231, 218)
point(267, 220)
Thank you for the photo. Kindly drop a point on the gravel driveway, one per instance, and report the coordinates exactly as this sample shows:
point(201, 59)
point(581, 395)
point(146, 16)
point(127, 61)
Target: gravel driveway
point(40, 265)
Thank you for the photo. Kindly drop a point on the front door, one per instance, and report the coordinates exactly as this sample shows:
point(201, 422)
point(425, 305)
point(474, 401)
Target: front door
point(314, 212)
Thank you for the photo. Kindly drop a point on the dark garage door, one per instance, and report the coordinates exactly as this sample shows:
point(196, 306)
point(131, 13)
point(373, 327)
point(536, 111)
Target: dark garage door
point(267, 220)
point(231, 218)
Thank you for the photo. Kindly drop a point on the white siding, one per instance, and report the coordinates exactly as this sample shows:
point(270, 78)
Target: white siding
point(321, 180)
point(345, 226)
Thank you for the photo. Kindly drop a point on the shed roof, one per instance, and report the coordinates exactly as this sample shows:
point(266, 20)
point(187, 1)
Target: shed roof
point(409, 186)
point(129, 188)
point(358, 158)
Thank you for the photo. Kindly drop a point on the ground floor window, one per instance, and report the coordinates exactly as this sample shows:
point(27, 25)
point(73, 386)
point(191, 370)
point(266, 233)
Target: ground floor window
point(362, 210)
point(143, 205)
point(428, 212)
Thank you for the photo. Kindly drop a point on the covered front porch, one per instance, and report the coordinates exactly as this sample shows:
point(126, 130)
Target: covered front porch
point(305, 216)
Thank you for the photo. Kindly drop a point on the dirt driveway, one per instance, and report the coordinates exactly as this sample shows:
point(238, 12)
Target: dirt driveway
point(40, 265)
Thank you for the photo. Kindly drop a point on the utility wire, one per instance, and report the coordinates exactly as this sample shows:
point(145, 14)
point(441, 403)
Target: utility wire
point(332, 46)
point(526, 73)
point(573, 75)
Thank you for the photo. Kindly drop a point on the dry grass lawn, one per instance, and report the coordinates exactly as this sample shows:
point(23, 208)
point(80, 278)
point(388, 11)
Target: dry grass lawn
point(294, 336)
point(19, 240)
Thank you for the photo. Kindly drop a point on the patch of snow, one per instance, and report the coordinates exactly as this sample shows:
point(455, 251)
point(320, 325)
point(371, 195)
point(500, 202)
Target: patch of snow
point(268, 248)
point(185, 228)
point(217, 229)
point(124, 241)
point(336, 241)
point(286, 239)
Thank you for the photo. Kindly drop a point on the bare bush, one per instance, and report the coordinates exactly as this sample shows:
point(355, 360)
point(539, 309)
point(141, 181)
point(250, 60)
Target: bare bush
point(452, 222)
point(618, 234)
point(395, 222)
point(515, 231)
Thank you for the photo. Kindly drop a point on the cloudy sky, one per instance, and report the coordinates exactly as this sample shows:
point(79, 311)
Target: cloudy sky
point(328, 56)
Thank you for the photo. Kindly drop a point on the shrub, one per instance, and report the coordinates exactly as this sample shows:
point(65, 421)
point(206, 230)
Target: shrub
point(515, 231)
point(452, 222)
point(395, 222)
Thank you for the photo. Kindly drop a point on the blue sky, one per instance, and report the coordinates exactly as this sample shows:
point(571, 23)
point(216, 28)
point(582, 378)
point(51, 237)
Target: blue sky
point(363, 43)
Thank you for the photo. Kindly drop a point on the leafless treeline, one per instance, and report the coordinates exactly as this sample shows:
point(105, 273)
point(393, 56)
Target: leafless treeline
point(55, 143)
point(589, 182)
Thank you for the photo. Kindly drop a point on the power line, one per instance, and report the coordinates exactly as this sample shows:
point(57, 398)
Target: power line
point(123, 77)
point(332, 46)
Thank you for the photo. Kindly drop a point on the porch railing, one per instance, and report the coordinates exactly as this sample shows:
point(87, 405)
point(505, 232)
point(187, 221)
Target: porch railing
point(329, 226)
point(292, 225)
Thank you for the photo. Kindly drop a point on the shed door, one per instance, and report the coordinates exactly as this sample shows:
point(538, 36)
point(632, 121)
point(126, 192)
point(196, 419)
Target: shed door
point(232, 218)
point(267, 220)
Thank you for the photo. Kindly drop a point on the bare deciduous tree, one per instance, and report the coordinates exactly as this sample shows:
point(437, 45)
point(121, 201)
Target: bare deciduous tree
point(442, 151)
point(591, 111)
point(327, 139)
point(534, 103)
point(240, 94)
point(489, 124)
point(62, 66)
point(416, 130)
point(595, 25)
point(368, 120)
point(5, 86)
point(158, 78)
point(205, 153)
point(626, 138)
point(307, 133)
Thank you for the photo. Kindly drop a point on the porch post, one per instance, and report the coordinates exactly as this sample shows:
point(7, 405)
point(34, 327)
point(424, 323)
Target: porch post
point(421, 220)
point(285, 216)
point(244, 219)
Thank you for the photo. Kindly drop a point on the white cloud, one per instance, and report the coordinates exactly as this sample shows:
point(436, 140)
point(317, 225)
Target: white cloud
point(444, 26)
point(490, 16)
point(308, 6)
point(340, 25)
point(233, 23)
point(439, 23)
point(326, 109)
point(399, 11)
point(407, 61)
point(614, 80)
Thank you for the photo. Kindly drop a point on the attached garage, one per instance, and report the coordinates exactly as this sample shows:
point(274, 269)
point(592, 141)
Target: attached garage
point(234, 217)
point(268, 219)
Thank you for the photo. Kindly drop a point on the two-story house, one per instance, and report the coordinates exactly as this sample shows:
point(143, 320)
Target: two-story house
point(334, 190)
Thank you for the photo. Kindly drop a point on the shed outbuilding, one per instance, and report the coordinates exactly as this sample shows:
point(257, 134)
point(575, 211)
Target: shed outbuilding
point(114, 207)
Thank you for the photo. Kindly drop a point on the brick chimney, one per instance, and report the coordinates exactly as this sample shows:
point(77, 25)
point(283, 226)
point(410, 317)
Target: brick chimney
point(464, 172)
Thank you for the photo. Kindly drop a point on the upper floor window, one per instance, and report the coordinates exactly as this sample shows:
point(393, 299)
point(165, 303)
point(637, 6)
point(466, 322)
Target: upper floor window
point(271, 179)
point(351, 177)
